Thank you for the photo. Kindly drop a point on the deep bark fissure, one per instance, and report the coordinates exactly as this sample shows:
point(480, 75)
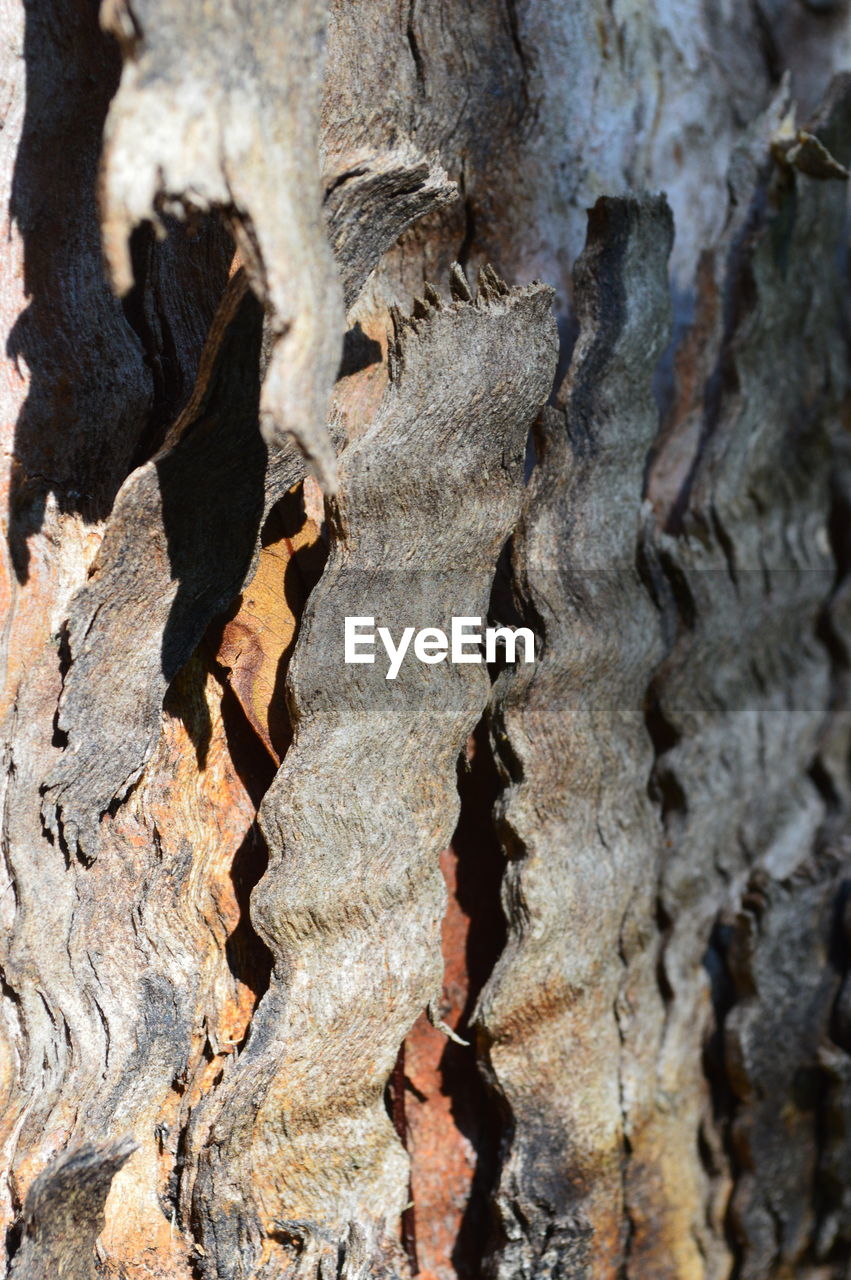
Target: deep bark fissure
point(473, 867)
point(480, 873)
point(474, 884)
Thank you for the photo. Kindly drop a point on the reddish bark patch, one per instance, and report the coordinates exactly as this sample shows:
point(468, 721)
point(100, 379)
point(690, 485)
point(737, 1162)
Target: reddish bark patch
point(452, 1135)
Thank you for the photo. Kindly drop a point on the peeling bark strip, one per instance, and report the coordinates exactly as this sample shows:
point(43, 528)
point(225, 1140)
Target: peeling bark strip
point(781, 954)
point(373, 200)
point(580, 833)
point(176, 551)
point(296, 1150)
point(219, 110)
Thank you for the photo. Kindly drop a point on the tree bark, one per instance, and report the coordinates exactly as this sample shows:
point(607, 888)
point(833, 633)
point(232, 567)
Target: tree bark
point(530, 311)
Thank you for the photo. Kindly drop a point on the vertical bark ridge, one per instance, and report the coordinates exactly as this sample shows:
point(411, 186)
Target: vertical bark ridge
point(297, 1145)
point(129, 970)
point(580, 835)
point(743, 694)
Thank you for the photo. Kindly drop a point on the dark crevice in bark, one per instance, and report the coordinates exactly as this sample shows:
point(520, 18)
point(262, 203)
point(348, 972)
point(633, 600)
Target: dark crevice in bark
point(514, 29)
point(669, 589)
point(568, 332)
point(14, 1235)
point(824, 785)
point(340, 180)
point(503, 610)
point(663, 787)
point(395, 1103)
point(60, 737)
point(413, 45)
point(829, 634)
point(184, 495)
point(479, 880)
point(202, 250)
point(723, 996)
point(738, 300)
point(772, 57)
point(185, 701)
point(727, 546)
point(248, 957)
point(250, 759)
point(159, 352)
point(469, 227)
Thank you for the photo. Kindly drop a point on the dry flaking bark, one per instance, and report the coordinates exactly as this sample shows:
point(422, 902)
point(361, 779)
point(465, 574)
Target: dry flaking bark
point(216, 112)
point(741, 700)
point(295, 1149)
point(373, 200)
point(131, 982)
point(580, 833)
point(175, 552)
point(185, 529)
point(133, 1023)
point(782, 955)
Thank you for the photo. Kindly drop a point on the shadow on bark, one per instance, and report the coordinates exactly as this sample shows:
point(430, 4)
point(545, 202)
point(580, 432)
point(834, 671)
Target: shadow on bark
point(474, 1110)
point(87, 390)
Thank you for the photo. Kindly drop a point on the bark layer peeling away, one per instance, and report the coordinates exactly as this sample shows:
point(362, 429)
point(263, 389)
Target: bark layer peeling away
point(216, 112)
point(224, 853)
point(296, 1146)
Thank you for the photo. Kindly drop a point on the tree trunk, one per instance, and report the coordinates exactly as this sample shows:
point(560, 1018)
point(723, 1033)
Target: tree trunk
point(531, 312)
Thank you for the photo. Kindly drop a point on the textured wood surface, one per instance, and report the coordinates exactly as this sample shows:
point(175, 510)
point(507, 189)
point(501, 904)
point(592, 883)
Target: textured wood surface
point(297, 1145)
point(575, 815)
point(224, 920)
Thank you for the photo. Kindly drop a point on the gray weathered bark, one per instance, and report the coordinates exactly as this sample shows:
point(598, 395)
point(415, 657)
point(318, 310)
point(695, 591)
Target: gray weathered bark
point(532, 311)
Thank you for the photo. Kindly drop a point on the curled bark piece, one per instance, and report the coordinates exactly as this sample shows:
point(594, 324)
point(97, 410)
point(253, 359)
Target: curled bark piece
point(176, 551)
point(373, 200)
point(365, 799)
point(63, 1213)
point(161, 577)
point(220, 108)
point(814, 159)
point(804, 148)
point(576, 818)
point(257, 640)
